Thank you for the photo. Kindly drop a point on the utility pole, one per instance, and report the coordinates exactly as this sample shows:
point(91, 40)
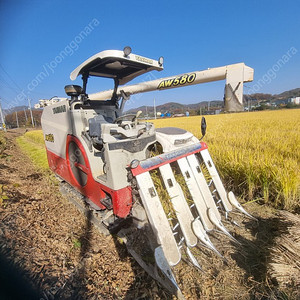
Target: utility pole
point(29, 104)
point(25, 116)
point(17, 119)
point(154, 109)
point(2, 118)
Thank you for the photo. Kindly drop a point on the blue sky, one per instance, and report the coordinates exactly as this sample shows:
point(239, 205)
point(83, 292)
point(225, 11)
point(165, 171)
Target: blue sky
point(191, 35)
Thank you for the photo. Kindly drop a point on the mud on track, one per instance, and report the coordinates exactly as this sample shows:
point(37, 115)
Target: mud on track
point(48, 250)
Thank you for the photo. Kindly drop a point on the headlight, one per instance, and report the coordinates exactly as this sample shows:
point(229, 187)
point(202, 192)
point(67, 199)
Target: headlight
point(134, 164)
point(127, 51)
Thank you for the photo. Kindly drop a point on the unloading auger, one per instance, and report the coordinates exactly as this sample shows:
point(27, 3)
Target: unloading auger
point(112, 160)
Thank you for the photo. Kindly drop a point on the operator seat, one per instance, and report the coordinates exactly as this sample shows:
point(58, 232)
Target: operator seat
point(95, 126)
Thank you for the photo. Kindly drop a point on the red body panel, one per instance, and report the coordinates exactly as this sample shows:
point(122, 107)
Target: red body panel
point(121, 199)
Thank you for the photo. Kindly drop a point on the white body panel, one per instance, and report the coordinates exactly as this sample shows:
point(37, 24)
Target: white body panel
point(60, 120)
point(56, 121)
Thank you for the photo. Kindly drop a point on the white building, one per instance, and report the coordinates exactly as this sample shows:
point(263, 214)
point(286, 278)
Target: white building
point(295, 100)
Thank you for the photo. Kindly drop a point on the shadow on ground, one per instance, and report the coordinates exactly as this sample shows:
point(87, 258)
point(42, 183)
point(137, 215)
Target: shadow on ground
point(253, 255)
point(14, 281)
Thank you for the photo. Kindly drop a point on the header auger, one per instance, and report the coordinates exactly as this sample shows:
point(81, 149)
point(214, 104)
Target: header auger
point(156, 188)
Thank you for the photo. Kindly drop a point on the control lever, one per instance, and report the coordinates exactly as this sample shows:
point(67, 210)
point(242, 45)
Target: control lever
point(135, 119)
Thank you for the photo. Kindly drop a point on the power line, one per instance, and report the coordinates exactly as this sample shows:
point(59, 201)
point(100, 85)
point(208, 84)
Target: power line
point(11, 78)
point(16, 89)
point(5, 101)
point(6, 84)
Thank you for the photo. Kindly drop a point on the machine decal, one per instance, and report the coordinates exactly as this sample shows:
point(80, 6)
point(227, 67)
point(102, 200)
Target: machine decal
point(144, 59)
point(181, 80)
point(59, 109)
point(49, 138)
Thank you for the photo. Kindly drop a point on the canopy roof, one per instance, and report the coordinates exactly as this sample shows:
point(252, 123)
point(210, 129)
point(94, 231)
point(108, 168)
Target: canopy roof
point(114, 64)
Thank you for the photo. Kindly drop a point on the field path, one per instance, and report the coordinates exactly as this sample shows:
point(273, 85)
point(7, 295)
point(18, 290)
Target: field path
point(46, 240)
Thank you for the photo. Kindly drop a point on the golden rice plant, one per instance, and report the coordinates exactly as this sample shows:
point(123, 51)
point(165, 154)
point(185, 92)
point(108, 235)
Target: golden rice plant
point(163, 194)
point(257, 153)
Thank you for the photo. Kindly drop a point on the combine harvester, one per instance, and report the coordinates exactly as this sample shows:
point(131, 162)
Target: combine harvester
point(108, 159)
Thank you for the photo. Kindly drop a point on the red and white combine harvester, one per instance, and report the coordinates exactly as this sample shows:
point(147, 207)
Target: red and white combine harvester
point(110, 159)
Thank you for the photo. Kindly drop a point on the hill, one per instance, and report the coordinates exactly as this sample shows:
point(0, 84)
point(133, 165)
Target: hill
point(288, 94)
point(269, 97)
point(178, 108)
point(14, 109)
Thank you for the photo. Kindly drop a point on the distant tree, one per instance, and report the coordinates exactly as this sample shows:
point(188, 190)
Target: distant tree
point(12, 122)
point(193, 112)
point(291, 105)
point(258, 96)
point(263, 106)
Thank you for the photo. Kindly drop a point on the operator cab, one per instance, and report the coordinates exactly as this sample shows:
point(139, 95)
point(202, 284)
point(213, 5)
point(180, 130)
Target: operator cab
point(109, 124)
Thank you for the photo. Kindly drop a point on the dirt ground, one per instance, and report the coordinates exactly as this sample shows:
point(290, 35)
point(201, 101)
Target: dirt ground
point(48, 250)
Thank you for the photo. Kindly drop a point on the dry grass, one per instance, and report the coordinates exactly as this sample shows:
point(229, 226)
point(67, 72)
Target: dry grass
point(257, 154)
point(285, 253)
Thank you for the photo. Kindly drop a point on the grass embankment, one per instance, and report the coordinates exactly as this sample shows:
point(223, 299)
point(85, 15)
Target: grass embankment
point(3, 195)
point(32, 144)
point(2, 143)
point(257, 154)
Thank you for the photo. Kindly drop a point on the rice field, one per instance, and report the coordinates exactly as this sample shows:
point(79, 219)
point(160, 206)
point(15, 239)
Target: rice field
point(257, 154)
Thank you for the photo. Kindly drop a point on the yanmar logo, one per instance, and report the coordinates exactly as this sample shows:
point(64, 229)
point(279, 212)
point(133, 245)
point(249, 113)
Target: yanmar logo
point(181, 80)
point(144, 59)
point(59, 109)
